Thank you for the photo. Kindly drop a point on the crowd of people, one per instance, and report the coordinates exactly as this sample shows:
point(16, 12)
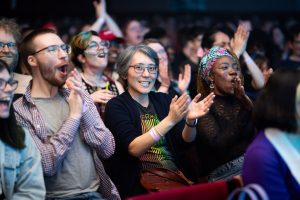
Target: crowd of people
point(90, 116)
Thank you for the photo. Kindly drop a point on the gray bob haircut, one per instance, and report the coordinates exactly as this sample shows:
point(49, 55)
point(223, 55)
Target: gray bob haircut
point(124, 59)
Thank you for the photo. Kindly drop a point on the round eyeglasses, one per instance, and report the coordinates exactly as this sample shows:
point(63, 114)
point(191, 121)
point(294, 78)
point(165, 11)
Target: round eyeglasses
point(98, 48)
point(10, 46)
point(140, 68)
point(13, 84)
point(98, 45)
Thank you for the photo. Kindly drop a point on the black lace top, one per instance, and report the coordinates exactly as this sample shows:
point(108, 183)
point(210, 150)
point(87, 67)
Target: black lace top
point(223, 134)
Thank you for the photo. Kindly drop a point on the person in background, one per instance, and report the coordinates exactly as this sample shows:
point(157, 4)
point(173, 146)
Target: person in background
point(273, 158)
point(293, 40)
point(263, 63)
point(164, 83)
point(90, 54)
point(10, 38)
point(133, 32)
point(63, 122)
point(151, 129)
point(20, 161)
point(116, 45)
point(159, 33)
point(226, 130)
point(190, 40)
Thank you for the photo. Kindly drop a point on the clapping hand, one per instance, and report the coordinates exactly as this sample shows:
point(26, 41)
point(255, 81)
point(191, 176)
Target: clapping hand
point(179, 108)
point(199, 108)
point(75, 100)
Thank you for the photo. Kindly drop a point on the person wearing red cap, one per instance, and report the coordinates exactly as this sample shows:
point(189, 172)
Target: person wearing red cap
point(90, 54)
point(117, 44)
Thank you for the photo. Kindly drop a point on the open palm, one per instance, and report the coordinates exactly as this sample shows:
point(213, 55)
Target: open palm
point(184, 79)
point(199, 108)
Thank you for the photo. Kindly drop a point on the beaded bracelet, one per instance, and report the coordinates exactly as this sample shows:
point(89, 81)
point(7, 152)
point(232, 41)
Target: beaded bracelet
point(192, 125)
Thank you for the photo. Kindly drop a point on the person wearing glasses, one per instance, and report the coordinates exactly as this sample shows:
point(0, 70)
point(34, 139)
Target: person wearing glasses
point(63, 122)
point(90, 54)
point(10, 38)
point(164, 82)
point(150, 129)
point(20, 162)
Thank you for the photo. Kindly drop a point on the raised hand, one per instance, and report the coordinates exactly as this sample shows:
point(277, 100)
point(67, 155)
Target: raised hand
point(100, 8)
point(240, 39)
point(199, 108)
point(102, 96)
point(185, 79)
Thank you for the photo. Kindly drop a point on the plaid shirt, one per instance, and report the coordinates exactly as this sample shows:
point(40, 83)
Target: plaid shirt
point(54, 148)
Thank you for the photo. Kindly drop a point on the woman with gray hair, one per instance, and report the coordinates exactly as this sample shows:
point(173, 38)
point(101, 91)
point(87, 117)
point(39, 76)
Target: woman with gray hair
point(149, 127)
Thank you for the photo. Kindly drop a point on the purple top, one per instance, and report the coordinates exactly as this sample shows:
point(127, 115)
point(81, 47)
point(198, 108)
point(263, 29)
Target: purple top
point(263, 165)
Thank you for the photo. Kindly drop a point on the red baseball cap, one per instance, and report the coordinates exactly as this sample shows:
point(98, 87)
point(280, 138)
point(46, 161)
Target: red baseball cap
point(109, 35)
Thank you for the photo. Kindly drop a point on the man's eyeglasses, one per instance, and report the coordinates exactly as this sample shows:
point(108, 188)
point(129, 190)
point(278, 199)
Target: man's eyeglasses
point(140, 68)
point(10, 45)
point(13, 84)
point(53, 49)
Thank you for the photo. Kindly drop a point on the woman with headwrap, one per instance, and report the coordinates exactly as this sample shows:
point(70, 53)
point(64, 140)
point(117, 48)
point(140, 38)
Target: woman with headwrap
point(226, 130)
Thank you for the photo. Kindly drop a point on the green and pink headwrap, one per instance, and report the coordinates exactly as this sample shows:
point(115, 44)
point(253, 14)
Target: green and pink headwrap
point(209, 59)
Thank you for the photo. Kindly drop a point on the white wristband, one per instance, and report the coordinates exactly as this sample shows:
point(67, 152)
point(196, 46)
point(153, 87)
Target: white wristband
point(154, 135)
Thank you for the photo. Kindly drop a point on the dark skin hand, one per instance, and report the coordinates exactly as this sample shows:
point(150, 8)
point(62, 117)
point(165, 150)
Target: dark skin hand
point(240, 94)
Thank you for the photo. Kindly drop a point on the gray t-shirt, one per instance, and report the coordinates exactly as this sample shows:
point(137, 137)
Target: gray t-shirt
point(77, 173)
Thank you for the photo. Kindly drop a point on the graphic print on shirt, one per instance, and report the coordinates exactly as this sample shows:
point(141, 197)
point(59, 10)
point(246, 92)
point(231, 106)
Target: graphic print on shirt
point(158, 155)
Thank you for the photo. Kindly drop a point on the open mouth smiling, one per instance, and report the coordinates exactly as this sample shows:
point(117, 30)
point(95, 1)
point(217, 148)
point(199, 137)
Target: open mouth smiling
point(5, 101)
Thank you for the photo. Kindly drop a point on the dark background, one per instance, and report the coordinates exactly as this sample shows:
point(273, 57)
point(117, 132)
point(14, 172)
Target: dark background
point(55, 9)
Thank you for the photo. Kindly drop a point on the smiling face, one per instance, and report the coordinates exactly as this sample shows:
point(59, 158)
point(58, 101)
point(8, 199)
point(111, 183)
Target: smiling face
point(224, 71)
point(92, 57)
point(6, 94)
point(9, 54)
point(50, 66)
point(140, 84)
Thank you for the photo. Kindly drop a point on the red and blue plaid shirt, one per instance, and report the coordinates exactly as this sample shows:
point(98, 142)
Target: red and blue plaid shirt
point(54, 147)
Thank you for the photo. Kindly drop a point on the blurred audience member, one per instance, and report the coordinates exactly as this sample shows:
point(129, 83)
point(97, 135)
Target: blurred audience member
point(273, 159)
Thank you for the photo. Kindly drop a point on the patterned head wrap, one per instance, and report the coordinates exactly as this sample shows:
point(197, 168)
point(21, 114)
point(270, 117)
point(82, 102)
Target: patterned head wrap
point(209, 60)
